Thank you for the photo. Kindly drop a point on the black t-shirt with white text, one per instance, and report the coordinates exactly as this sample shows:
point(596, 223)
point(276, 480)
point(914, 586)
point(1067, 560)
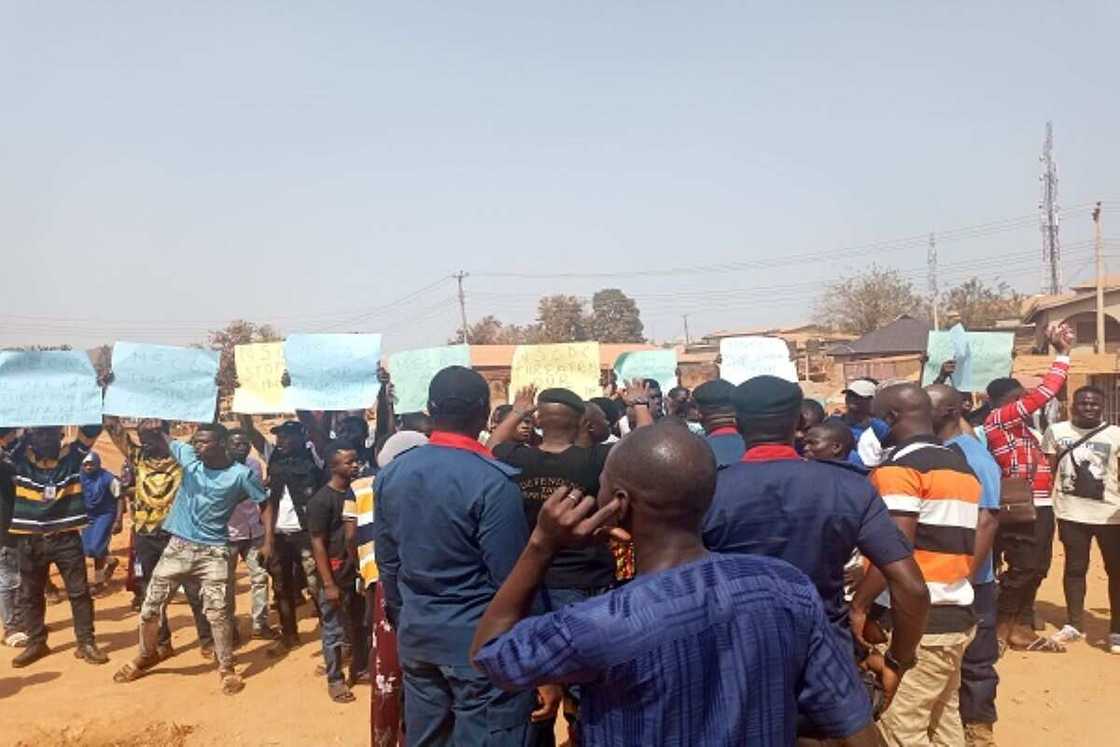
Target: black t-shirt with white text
point(324, 516)
point(542, 473)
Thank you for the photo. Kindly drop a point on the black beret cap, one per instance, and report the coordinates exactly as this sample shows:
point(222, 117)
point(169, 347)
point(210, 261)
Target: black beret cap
point(767, 395)
point(559, 396)
point(458, 389)
point(717, 393)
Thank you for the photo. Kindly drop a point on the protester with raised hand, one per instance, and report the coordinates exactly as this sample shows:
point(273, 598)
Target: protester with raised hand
point(48, 513)
point(579, 573)
point(1024, 546)
point(213, 484)
point(158, 477)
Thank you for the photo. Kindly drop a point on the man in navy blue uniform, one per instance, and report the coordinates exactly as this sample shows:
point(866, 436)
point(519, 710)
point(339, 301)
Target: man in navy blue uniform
point(449, 526)
point(717, 416)
point(813, 515)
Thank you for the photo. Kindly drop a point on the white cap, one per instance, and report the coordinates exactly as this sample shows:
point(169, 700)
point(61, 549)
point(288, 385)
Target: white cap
point(861, 388)
point(398, 443)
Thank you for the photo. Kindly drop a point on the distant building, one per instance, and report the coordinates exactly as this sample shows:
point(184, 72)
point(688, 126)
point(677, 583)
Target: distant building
point(1078, 309)
point(893, 351)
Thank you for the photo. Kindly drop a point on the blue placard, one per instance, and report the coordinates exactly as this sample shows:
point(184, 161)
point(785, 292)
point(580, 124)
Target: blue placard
point(412, 372)
point(48, 387)
point(160, 381)
point(332, 372)
point(659, 365)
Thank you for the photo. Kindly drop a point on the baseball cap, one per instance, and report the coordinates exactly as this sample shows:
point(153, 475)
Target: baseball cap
point(289, 428)
point(862, 388)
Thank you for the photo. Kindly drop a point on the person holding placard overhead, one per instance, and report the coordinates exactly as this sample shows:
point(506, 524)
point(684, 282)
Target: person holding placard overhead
point(157, 479)
point(48, 514)
point(213, 485)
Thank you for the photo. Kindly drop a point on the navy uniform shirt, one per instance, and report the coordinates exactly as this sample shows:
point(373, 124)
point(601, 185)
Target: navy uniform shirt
point(448, 527)
point(727, 445)
point(810, 514)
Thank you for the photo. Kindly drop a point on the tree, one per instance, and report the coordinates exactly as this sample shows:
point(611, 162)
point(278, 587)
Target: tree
point(615, 317)
point(489, 330)
point(862, 303)
point(979, 305)
point(237, 332)
point(562, 319)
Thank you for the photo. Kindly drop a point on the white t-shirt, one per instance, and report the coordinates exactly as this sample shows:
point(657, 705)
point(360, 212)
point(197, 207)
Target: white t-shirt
point(1100, 454)
point(869, 449)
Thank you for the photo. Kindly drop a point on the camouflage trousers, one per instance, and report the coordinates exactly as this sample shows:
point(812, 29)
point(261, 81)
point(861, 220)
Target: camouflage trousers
point(208, 567)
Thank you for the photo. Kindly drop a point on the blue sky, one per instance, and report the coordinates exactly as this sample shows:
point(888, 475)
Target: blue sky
point(168, 169)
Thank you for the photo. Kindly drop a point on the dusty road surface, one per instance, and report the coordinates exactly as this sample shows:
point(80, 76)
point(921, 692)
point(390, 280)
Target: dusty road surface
point(1044, 699)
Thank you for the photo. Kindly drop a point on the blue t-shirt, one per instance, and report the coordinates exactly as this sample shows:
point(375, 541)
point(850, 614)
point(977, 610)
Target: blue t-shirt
point(207, 498)
point(878, 426)
point(729, 649)
point(988, 472)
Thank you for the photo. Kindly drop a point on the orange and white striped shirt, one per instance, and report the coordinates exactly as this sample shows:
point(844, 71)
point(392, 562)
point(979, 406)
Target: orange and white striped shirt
point(934, 483)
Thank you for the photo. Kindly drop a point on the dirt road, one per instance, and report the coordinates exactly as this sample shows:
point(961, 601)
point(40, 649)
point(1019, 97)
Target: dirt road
point(1051, 700)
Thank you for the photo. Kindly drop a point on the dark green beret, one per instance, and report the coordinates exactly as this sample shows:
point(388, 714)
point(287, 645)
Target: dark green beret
point(713, 394)
point(763, 396)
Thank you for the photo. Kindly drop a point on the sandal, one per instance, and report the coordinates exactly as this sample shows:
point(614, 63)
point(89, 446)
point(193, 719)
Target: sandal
point(1042, 646)
point(340, 693)
point(231, 683)
point(133, 670)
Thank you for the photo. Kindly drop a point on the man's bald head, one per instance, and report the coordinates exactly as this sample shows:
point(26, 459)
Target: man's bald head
point(906, 408)
point(665, 475)
point(946, 405)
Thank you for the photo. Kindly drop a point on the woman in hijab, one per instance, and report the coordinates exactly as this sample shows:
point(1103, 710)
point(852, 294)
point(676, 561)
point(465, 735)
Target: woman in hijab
point(101, 491)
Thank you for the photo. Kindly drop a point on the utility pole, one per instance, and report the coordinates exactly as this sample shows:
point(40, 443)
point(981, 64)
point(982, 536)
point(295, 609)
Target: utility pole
point(687, 339)
point(1100, 346)
point(1048, 208)
point(463, 305)
point(931, 261)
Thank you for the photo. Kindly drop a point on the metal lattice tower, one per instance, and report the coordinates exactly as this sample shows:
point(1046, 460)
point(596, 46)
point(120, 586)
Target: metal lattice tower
point(1048, 209)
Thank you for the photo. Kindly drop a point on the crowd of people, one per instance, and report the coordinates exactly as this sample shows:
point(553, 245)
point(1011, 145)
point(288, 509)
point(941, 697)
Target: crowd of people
point(727, 565)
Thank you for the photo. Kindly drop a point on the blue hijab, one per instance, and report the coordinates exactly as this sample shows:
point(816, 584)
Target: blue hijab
point(97, 488)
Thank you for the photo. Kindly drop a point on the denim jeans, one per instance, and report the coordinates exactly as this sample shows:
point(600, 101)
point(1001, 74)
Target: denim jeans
point(456, 705)
point(64, 549)
point(978, 668)
point(183, 562)
point(9, 590)
point(333, 624)
point(250, 552)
